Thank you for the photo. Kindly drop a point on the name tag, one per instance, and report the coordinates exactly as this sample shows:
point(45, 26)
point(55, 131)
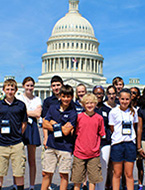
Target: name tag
point(5, 130)
point(30, 120)
point(126, 128)
point(5, 127)
point(57, 130)
point(104, 114)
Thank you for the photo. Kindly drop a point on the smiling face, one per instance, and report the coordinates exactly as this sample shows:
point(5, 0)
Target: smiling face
point(111, 95)
point(9, 91)
point(124, 99)
point(134, 93)
point(81, 91)
point(119, 86)
point(29, 87)
point(89, 105)
point(65, 100)
point(99, 93)
point(56, 86)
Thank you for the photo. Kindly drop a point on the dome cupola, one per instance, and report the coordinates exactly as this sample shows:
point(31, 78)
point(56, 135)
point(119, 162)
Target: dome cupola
point(73, 23)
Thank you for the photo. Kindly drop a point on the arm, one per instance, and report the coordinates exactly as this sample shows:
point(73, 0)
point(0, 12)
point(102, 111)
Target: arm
point(139, 134)
point(47, 125)
point(45, 132)
point(35, 113)
point(67, 128)
point(24, 125)
point(112, 128)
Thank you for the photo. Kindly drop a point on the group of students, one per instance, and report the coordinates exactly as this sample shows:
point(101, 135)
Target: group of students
point(97, 130)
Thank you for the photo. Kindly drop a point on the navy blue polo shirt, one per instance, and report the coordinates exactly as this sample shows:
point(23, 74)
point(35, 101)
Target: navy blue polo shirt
point(47, 102)
point(79, 107)
point(15, 114)
point(64, 143)
point(104, 112)
point(141, 113)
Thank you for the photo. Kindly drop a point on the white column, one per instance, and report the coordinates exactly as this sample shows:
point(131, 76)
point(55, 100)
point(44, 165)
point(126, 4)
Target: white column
point(50, 61)
point(90, 65)
point(39, 93)
point(79, 64)
point(101, 67)
point(97, 66)
point(74, 66)
point(59, 64)
point(43, 66)
point(94, 65)
point(64, 64)
point(69, 68)
point(45, 94)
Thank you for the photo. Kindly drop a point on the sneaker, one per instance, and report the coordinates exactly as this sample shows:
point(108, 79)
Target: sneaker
point(50, 188)
point(140, 188)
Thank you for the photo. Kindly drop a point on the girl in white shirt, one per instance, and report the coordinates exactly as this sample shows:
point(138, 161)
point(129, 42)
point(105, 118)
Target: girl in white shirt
point(31, 136)
point(123, 149)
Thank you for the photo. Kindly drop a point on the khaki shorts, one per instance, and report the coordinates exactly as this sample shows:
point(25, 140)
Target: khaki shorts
point(51, 157)
point(90, 166)
point(17, 155)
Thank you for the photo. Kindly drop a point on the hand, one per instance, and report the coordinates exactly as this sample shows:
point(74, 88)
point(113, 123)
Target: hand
point(141, 152)
point(52, 122)
point(44, 143)
point(68, 124)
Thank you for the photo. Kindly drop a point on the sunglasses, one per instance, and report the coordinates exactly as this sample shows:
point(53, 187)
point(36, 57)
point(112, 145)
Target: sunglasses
point(133, 92)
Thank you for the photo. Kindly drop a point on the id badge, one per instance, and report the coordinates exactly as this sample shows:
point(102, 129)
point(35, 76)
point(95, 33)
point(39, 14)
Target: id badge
point(30, 120)
point(57, 130)
point(126, 128)
point(5, 130)
point(5, 127)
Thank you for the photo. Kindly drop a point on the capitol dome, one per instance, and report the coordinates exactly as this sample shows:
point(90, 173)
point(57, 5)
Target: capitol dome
point(74, 24)
point(73, 50)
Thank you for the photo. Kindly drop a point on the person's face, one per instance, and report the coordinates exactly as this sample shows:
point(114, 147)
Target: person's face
point(81, 91)
point(124, 100)
point(29, 87)
point(56, 86)
point(65, 99)
point(9, 91)
point(111, 95)
point(89, 105)
point(99, 93)
point(134, 93)
point(119, 86)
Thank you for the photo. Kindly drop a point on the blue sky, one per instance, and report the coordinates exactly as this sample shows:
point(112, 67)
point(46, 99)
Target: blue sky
point(26, 25)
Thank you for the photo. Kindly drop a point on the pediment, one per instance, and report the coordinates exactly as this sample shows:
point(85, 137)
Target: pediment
point(74, 82)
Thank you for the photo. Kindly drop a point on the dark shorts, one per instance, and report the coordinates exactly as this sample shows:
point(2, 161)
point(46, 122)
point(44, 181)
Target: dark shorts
point(124, 151)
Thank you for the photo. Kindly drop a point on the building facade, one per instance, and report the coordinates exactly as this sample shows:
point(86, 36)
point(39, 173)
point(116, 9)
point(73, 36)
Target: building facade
point(73, 54)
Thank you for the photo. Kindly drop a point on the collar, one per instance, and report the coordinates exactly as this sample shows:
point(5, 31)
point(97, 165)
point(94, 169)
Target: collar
point(15, 102)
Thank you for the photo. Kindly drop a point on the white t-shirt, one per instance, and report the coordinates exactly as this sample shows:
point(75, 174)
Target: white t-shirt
point(116, 116)
point(30, 104)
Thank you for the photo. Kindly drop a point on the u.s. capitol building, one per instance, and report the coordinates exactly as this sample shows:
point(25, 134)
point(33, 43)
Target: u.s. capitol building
point(73, 54)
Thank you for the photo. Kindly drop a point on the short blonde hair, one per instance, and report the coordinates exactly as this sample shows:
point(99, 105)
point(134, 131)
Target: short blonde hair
point(89, 95)
point(10, 82)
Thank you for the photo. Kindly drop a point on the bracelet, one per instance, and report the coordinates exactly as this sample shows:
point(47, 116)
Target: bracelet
point(139, 149)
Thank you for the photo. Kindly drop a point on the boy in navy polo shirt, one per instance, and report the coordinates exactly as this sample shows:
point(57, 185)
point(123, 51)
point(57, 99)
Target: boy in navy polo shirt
point(60, 122)
point(56, 84)
point(13, 122)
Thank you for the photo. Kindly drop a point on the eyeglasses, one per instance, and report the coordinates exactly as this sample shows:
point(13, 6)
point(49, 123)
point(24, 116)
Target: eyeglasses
point(133, 92)
point(101, 94)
